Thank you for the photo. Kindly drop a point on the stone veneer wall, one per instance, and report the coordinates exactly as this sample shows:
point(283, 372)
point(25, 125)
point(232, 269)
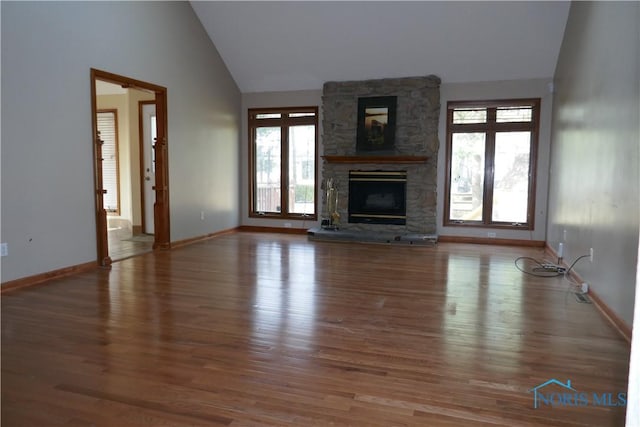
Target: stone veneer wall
point(417, 116)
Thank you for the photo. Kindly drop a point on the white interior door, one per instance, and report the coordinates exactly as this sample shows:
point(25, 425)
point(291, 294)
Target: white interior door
point(149, 164)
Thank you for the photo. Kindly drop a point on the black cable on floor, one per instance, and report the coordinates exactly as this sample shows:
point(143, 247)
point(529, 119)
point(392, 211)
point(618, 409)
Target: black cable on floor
point(540, 271)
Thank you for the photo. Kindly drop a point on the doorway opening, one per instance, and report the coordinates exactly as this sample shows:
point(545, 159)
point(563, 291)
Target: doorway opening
point(141, 220)
point(147, 120)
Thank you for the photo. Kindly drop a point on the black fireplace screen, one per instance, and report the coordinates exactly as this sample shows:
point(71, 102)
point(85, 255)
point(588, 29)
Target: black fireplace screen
point(378, 197)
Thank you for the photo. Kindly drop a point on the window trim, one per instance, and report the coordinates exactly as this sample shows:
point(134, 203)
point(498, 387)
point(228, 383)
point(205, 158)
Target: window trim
point(284, 122)
point(490, 128)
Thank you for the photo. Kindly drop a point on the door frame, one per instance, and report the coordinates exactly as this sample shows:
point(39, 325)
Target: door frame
point(142, 142)
point(161, 206)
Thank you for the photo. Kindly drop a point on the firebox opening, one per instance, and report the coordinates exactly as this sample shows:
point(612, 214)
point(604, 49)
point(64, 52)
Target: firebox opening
point(378, 197)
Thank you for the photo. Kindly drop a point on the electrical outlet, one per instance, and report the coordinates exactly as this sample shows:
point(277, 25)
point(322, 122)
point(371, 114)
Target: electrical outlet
point(4, 249)
point(590, 254)
point(201, 215)
point(287, 225)
point(585, 288)
point(491, 234)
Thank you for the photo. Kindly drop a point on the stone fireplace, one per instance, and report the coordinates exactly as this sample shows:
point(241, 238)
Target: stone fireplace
point(413, 160)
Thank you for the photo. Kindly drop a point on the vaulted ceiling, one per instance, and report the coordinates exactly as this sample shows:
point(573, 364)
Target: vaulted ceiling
point(297, 45)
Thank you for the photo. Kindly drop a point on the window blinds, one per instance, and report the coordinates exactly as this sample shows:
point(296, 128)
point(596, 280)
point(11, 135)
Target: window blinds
point(108, 131)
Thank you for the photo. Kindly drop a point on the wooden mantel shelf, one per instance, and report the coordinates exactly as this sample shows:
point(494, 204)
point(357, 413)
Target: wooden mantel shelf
point(375, 159)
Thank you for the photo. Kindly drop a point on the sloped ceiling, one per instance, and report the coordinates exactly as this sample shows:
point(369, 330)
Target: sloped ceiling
point(271, 46)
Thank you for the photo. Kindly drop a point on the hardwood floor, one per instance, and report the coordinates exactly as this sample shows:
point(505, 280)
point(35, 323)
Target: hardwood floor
point(252, 329)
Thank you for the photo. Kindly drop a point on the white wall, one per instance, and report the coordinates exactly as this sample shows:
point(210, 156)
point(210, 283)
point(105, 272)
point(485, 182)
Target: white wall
point(48, 216)
point(537, 88)
point(304, 98)
point(594, 188)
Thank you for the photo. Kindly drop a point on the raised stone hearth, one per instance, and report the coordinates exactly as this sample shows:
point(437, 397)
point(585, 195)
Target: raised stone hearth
point(416, 147)
point(319, 234)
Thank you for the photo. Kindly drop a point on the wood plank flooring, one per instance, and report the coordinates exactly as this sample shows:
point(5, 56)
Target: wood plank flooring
point(255, 329)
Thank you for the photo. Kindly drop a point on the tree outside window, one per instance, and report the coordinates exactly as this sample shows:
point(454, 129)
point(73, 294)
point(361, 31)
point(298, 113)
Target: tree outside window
point(283, 152)
point(491, 155)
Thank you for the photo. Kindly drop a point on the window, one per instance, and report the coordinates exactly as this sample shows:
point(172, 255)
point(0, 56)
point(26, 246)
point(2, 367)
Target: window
point(108, 129)
point(491, 158)
point(282, 162)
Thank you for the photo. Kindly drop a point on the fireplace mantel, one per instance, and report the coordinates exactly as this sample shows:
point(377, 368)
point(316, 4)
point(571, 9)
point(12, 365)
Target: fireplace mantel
point(376, 159)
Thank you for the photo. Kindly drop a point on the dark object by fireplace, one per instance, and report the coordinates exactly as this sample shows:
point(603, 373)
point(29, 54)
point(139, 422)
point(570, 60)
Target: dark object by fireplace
point(378, 197)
